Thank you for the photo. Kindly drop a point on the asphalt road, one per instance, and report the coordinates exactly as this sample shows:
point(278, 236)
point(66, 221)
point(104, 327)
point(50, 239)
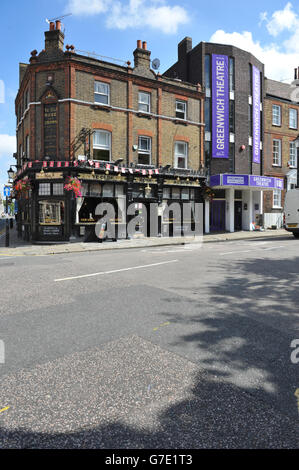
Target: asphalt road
point(168, 347)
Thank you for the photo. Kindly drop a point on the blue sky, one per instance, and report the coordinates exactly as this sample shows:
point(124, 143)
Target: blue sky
point(270, 30)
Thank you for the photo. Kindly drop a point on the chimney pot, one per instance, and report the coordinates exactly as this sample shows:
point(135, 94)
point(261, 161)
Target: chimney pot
point(52, 26)
point(58, 24)
point(144, 45)
point(139, 44)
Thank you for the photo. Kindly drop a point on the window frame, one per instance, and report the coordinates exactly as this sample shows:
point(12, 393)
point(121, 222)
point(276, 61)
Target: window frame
point(279, 152)
point(179, 155)
point(274, 115)
point(102, 147)
point(178, 111)
point(145, 152)
point(101, 94)
point(141, 103)
point(296, 119)
point(293, 145)
point(276, 192)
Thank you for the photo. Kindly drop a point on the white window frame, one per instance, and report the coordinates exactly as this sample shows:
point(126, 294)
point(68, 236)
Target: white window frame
point(142, 102)
point(276, 159)
point(293, 155)
point(101, 146)
point(145, 151)
point(276, 198)
point(178, 155)
point(293, 121)
point(181, 102)
point(276, 115)
point(100, 93)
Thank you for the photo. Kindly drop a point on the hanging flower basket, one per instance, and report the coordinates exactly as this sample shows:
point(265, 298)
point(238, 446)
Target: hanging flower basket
point(73, 184)
point(22, 185)
point(208, 193)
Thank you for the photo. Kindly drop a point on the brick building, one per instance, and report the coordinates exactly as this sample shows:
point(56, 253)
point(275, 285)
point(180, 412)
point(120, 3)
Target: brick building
point(233, 81)
point(131, 136)
point(280, 153)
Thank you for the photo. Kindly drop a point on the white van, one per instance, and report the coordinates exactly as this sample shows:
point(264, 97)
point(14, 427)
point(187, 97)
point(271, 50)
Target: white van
point(291, 212)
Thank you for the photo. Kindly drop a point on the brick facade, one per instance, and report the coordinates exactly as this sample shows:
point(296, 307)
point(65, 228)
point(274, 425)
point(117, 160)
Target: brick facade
point(72, 81)
point(277, 94)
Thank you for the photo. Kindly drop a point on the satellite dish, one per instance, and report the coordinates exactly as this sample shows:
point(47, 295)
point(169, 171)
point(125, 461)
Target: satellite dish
point(156, 64)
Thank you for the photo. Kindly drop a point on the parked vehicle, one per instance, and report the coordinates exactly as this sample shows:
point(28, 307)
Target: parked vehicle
point(291, 212)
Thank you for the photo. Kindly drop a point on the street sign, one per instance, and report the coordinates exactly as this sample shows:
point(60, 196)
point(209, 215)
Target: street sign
point(6, 191)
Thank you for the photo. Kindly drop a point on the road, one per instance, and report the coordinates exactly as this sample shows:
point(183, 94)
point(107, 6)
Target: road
point(170, 347)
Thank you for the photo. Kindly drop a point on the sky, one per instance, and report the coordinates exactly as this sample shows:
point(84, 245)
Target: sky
point(269, 30)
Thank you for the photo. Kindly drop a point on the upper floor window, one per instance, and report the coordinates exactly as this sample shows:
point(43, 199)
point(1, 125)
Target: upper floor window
point(180, 154)
point(276, 115)
point(102, 145)
point(144, 150)
point(180, 109)
point(293, 118)
point(144, 102)
point(277, 152)
point(293, 159)
point(101, 92)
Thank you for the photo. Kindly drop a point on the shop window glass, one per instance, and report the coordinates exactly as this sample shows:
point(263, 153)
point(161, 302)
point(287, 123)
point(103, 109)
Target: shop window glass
point(44, 189)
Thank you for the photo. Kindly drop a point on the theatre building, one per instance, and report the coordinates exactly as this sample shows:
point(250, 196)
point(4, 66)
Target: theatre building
point(131, 137)
point(233, 81)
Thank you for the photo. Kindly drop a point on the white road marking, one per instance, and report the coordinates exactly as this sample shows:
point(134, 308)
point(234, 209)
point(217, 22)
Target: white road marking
point(116, 270)
point(234, 252)
point(274, 247)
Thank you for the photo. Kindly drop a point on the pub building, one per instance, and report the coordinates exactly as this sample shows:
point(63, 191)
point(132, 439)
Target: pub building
point(123, 135)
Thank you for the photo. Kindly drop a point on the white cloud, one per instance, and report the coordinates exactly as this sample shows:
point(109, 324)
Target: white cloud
point(279, 63)
point(7, 145)
point(155, 14)
point(88, 7)
point(281, 20)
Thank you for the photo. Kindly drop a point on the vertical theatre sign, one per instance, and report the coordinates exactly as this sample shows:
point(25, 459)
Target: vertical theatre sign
point(220, 106)
point(256, 117)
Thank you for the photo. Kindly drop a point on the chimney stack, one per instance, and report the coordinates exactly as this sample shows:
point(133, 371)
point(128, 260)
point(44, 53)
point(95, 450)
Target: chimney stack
point(54, 38)
point(142, 57)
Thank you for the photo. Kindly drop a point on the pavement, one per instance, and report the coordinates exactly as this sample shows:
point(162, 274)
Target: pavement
point(20, 247)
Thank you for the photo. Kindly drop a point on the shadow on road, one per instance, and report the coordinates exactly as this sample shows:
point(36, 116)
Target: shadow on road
point(244, 396)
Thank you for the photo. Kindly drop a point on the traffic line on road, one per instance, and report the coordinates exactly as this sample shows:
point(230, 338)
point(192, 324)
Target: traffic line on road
point(116, 270)
point(234, 252)
point(4, 409)
point(163, 324)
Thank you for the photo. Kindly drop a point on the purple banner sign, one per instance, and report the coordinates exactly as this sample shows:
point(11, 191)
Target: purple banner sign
point(220, 107)
point(254, 181)
point(256, 114)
